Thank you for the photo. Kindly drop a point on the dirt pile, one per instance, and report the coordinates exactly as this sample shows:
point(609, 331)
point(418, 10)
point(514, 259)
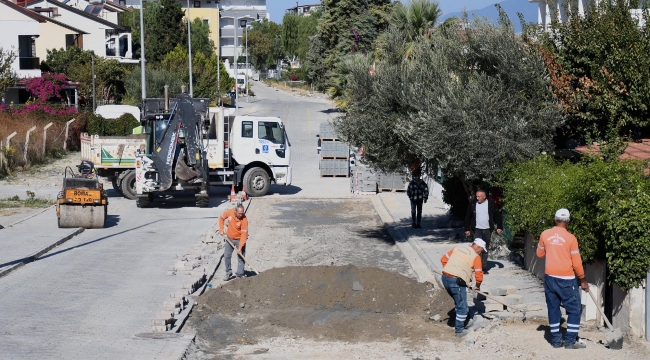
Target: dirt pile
point(326, 287)
point(321, 302)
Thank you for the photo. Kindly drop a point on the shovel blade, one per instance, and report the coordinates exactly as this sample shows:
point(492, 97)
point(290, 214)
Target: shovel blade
point(614, 339)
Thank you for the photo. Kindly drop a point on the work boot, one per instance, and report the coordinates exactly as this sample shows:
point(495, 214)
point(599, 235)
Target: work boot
point(576, 345)
point(557, 346)
point(241, 276)
point(414, 225)
point(462, 333)
point(226, 277)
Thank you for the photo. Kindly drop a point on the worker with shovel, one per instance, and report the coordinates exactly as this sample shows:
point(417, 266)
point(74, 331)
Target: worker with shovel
point(237, 235)
point(563, 264)
point(458, 266)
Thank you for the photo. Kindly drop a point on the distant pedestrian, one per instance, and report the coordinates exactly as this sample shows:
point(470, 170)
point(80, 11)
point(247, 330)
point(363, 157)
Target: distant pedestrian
point(481, 219)
point(238, 234)
point(418, 192)
point(563, 264)
point(458, 265)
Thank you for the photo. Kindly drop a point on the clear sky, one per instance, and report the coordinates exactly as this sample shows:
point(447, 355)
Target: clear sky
point(277, 7)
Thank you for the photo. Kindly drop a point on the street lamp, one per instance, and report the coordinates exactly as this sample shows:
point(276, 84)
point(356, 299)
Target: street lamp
point(189, 45)
point(142, 60)
point(244, 24)
point(235, 57)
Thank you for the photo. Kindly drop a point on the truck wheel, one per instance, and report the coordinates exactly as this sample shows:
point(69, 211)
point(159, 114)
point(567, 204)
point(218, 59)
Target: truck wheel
point(128, 185)
point(202, 200)
point(144, 201)
point(257, 182)
point(116, 185)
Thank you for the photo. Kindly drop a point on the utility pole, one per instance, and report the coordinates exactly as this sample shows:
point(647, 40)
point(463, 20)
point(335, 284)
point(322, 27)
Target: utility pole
point(142, 60)
point(189, 45)
point(92, 66)
point(236, 58)
point(247, 65)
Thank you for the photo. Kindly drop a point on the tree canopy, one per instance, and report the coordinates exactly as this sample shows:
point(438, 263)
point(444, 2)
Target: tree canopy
point(264, 43)
point(7, 75)
point(347, 27)
point(600, 71)
point(469, 101)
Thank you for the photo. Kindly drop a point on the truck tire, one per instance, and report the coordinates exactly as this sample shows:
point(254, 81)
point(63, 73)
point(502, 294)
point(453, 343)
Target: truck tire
point(127, 185)
point(116, 185)
point(257, 182)
point(144, 201)
point(202, 200)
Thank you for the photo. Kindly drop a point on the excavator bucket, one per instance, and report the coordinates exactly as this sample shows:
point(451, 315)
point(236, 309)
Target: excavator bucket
point(84, 216)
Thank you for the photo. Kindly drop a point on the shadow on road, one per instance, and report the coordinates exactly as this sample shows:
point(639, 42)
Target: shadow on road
point(111, 220)
point(115, 234)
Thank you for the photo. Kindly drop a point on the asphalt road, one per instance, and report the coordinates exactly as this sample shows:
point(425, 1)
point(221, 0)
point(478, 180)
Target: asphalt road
point(88, 298)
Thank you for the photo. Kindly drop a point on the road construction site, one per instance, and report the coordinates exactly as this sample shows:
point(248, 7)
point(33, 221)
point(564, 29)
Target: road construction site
point(340, 276)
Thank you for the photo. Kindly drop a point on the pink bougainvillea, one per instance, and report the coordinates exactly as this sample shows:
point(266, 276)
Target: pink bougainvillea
point(43, 89)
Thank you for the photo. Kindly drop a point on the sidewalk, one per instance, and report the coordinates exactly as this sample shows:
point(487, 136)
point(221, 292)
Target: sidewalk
point(440, 233)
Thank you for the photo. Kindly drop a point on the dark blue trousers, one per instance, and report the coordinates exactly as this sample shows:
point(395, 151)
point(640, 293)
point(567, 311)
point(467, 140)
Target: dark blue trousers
point(459, 293)
point(565, 292)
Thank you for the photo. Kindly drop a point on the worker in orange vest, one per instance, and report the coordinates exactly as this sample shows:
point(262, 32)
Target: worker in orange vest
point(238, 234)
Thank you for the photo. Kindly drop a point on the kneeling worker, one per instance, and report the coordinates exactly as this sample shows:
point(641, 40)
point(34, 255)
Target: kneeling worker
point(458, 266)
point(238, 234)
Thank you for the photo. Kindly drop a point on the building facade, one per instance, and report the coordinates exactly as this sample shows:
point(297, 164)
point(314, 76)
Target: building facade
point(547, 9)
point(231, 13)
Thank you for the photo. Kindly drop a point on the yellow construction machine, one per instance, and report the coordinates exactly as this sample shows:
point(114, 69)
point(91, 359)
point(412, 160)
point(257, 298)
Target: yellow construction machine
point(82, 201)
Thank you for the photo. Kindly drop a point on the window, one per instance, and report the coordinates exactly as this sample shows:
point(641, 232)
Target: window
point(206, 21)
point(69, 40)
point(197, 4)
point(271, 131)
point(247, 129)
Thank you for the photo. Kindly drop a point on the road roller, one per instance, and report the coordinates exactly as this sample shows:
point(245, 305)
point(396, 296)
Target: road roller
point(82, 201)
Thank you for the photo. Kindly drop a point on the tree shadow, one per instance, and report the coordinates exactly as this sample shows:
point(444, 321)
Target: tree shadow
point(330, 111)
point(493, 264)
point(379, 234)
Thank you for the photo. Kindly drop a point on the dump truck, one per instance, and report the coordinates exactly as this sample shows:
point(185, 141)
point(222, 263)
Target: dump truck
point(243, 151)
point(82, 201)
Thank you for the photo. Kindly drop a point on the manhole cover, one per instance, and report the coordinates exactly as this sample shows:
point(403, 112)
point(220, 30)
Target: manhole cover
point(158, 336)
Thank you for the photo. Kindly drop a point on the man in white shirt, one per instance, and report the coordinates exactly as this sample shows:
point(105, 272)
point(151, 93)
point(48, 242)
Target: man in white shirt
point(481, 219)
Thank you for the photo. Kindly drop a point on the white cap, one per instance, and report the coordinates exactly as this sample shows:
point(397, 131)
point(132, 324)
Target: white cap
point(480, 243)
point(562, 215)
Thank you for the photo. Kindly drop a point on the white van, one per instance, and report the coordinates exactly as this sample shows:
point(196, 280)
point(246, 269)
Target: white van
point(115, 111)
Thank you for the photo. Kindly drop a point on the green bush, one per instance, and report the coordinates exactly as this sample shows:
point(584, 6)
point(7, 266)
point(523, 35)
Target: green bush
point(609, 204)
point(122, 126)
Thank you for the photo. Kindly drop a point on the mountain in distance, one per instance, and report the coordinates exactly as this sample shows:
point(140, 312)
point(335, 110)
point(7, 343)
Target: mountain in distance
point(511, 7)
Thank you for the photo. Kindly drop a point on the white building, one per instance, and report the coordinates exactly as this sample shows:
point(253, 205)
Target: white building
point(20, 28)
point(549, 8)
point(105, 38)
point(304, 10)
point(231, 13)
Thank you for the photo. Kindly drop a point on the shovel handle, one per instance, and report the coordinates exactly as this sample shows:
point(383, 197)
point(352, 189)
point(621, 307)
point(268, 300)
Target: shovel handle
point(242, 256)
point(486, 295)
point(609, 325)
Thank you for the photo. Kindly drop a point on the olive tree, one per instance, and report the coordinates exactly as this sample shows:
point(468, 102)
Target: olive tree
point(468, 100)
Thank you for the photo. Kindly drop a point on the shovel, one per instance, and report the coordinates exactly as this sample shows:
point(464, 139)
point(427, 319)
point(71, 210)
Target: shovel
point(516, 308)
point(613, 337)
point(242, 256)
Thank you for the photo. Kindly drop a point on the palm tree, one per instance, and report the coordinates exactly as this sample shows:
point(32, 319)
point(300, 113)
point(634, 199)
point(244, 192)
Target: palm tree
point(416, 18)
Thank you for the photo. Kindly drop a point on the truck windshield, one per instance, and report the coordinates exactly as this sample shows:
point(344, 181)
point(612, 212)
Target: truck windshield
point(271, 131)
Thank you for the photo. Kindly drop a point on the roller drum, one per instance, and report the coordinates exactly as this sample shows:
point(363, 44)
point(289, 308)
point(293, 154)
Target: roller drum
point(88, 216)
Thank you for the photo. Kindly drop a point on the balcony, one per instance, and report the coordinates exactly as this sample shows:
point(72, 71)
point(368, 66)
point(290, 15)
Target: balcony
point(29, 63)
